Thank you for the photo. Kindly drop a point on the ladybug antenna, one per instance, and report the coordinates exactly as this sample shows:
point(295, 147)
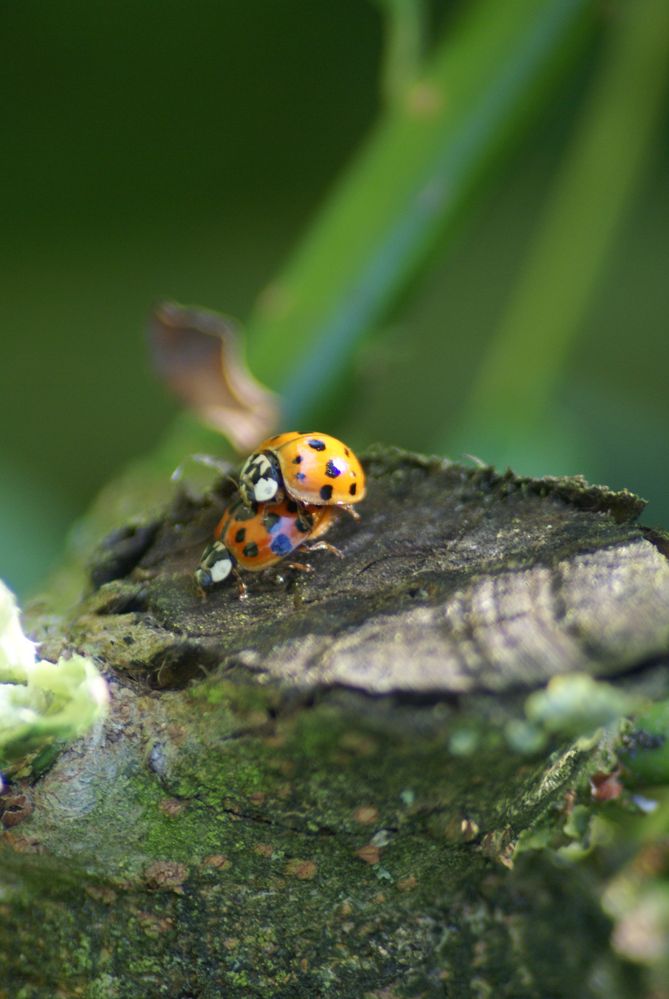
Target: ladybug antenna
point(475, 460)
point(219, 465)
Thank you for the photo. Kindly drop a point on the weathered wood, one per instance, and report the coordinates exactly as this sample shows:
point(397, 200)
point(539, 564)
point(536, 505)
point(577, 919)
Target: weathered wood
point(311, 792)
point(455, 580)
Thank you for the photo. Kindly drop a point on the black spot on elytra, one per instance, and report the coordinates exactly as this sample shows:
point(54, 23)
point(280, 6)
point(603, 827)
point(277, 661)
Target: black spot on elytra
point(281, 544)
point(300, 476)
point(346, 452)
point(326, 493)
point(298, 460)
point(250, 550)
point(316, 445)
point(352, 490)
point(331, 470)
point(270, 521)
point(240, 535)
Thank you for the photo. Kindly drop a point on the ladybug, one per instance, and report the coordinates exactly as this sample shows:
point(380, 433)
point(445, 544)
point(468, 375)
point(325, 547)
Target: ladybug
point(255, 539)
point(310, 468)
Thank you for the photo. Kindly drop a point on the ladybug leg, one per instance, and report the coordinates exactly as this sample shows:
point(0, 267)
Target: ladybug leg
point(349, 508)
point(241, 585)
point(230, 478)
point(300, 566)
point(209, 461)
point(318, 546)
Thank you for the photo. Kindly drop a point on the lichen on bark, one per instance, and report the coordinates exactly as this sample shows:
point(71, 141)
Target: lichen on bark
point(317, 791)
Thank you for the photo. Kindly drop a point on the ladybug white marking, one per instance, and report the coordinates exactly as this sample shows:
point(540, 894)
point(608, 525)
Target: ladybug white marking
point(215, 565)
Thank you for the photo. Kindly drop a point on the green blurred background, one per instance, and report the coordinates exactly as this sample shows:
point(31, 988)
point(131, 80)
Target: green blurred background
point(183, 150)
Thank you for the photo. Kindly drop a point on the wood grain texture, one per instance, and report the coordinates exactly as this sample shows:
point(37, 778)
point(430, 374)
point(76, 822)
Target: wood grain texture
point(455, 580)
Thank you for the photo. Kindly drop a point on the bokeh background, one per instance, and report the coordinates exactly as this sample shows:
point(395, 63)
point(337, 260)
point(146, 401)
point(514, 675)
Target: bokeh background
point(183, 150)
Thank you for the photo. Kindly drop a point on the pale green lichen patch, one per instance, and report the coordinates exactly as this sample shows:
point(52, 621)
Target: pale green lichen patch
point(574, 705)
point(17, 652)
point(43, 705)
point(577, 704)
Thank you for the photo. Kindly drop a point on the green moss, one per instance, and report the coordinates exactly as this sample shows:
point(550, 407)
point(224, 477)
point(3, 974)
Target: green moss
point(356, 840)
point(242, 699)
point(104, 987)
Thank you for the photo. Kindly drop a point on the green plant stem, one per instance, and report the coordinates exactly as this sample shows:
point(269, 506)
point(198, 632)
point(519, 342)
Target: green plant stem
point(405, 190)
point(594, 189)
point(405, 31)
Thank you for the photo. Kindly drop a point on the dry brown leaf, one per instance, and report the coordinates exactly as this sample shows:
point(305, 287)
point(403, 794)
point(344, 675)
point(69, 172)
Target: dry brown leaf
point(199, 355)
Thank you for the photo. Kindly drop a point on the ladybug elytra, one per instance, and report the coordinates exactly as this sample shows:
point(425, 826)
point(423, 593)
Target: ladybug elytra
point(255, 539)
point(311, 468)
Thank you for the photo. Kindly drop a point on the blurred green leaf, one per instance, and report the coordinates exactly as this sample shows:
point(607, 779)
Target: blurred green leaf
point(405, 24)
point(513, 396)
point(406, 189)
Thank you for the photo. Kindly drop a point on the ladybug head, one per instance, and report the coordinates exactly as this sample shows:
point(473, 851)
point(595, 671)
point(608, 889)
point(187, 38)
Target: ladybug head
point(260, 479)
point(215, 566)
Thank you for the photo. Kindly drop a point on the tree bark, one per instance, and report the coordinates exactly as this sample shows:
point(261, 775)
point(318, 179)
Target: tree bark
point(316, 792)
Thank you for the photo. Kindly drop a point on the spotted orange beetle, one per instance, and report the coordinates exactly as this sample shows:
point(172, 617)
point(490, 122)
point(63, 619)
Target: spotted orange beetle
point(311, 468)
point(255, 539)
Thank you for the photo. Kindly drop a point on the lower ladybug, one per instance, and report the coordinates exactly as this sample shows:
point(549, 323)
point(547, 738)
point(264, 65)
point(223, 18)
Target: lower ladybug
point(255, 539)
point(310, 468)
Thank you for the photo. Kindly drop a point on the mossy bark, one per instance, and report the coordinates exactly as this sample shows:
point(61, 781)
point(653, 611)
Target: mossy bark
point(313, 792)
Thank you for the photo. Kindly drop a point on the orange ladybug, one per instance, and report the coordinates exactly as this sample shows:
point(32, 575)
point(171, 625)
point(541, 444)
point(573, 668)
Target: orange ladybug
point(311, 468)
point(259, 538)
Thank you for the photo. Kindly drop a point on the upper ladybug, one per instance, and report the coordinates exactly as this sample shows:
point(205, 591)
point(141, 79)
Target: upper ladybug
point(311, 468)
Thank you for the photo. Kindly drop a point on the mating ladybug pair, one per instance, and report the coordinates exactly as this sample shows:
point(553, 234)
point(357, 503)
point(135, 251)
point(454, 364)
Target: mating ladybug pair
point(290, 490)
